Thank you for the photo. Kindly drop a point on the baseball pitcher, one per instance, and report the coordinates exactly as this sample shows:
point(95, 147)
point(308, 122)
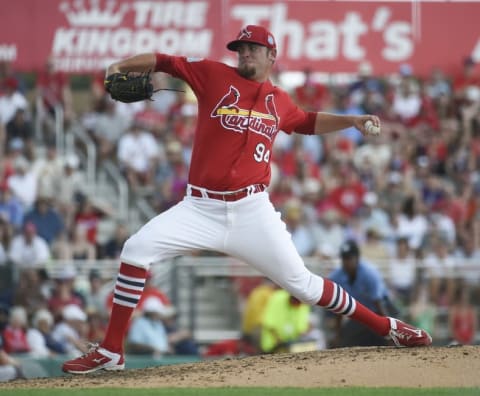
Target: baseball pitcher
point(226, 206)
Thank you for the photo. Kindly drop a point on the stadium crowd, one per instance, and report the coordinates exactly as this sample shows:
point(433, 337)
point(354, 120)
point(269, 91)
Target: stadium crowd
point(410, 197)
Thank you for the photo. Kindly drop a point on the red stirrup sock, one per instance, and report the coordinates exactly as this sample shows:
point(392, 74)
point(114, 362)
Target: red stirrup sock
point(127, 293)
point(336, 299)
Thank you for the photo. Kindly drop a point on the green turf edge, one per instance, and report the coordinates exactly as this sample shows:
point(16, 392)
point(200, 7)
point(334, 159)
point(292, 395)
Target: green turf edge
point(237, 391)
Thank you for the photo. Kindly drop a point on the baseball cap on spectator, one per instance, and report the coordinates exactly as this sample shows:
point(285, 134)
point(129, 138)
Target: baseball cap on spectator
point(253, 34)
point(154, 305)
point(73, 312)
point(42, 315)
point(349, 249)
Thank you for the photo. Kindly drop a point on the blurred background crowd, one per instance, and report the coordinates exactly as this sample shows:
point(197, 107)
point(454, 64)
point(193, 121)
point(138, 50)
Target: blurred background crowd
point(410, 198)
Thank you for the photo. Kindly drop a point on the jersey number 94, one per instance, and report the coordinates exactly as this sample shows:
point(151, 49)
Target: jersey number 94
point(261, 154)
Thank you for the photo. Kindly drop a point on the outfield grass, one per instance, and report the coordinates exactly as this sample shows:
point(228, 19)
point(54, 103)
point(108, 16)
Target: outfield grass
point(245, 392)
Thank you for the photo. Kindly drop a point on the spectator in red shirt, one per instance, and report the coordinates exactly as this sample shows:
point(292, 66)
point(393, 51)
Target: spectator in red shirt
point(311, 95)
point(348, 195)
point(15, 334)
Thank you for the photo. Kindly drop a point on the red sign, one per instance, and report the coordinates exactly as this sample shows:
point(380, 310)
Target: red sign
point(330, 36)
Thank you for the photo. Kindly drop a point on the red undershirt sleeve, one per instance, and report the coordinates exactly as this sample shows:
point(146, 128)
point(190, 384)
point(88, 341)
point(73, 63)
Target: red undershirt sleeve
point(307, 127)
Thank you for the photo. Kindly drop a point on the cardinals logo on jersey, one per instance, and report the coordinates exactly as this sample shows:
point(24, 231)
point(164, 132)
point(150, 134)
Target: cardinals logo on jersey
point(236, 119)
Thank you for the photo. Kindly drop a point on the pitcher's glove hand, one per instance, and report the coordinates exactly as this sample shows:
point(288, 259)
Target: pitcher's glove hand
point(128, 88)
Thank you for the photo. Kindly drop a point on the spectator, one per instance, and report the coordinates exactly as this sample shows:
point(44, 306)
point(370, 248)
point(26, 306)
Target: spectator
point(138, 153)
point(113, 247)
point(20, 127)
point(412, 224)
point(348, 195)
point(466, 79)
point(64, 293)
point(344, 105)
point(311, 95)
point(48, 169)
point(11, 101)
point(40, 337)
point(81, 247)
point(440, 269)
point(107, 127)
point(11, 210)
point(462, 317)
point(301, 235)
point(28, 250)
point(329, 231)
point(364, 283)
point(374, 249)
point(29, 291)
point(15, 334)
point(253, 311)
point(23, 183)
point(70, 189)
point(407, 103)
point(61, 248)
point(373, 217)
point(285, 321)
point(46, 219)
point(95, 298)
point(147, 334)
point(72, 330)
point(88, 217)
point(170, 178)
point(180, 339)
point(402, 273)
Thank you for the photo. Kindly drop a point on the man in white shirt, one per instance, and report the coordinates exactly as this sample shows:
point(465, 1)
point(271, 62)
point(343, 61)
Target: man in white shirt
point(28, 250)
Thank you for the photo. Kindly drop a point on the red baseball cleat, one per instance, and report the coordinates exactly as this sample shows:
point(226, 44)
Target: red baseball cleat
point(96, 359)
point(404, 335)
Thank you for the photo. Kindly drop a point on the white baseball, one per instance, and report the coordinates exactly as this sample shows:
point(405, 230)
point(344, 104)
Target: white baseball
point(371, 129)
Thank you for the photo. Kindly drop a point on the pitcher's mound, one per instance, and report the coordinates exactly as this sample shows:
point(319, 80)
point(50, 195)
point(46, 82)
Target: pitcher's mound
point(372, 367)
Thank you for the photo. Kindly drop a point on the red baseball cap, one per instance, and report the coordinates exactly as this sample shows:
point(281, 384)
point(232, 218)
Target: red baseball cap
point(253, 34)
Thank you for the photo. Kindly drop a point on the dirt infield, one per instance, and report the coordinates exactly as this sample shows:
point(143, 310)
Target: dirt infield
point(373, 367)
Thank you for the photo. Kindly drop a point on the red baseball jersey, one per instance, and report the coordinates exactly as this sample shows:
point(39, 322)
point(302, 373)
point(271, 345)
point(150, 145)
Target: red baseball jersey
point(238, 120)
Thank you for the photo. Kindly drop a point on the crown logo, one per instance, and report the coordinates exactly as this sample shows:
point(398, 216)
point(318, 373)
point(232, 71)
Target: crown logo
point(80, 14)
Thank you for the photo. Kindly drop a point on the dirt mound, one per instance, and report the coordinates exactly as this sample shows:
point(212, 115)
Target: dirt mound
point(418, 367)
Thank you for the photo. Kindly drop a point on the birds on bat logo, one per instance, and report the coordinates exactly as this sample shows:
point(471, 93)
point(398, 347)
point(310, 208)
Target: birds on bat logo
point(234, 118)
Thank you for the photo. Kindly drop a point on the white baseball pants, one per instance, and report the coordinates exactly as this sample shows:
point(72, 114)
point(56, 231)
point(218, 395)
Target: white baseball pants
point(249, 229)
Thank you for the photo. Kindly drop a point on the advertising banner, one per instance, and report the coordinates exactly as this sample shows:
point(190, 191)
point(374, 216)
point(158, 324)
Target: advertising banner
point(333, 36)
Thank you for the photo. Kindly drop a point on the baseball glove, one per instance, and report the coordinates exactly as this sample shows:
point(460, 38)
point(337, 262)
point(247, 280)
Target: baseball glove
point(128, 88)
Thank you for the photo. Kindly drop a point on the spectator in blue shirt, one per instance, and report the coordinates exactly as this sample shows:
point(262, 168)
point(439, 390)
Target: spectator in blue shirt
point(365, 283)
point(48, 221)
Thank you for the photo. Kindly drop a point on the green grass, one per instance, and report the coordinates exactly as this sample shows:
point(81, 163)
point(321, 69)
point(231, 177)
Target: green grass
point(245, 392)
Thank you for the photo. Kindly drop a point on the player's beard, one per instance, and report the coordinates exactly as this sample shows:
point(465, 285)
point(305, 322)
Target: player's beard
point(247, 71)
